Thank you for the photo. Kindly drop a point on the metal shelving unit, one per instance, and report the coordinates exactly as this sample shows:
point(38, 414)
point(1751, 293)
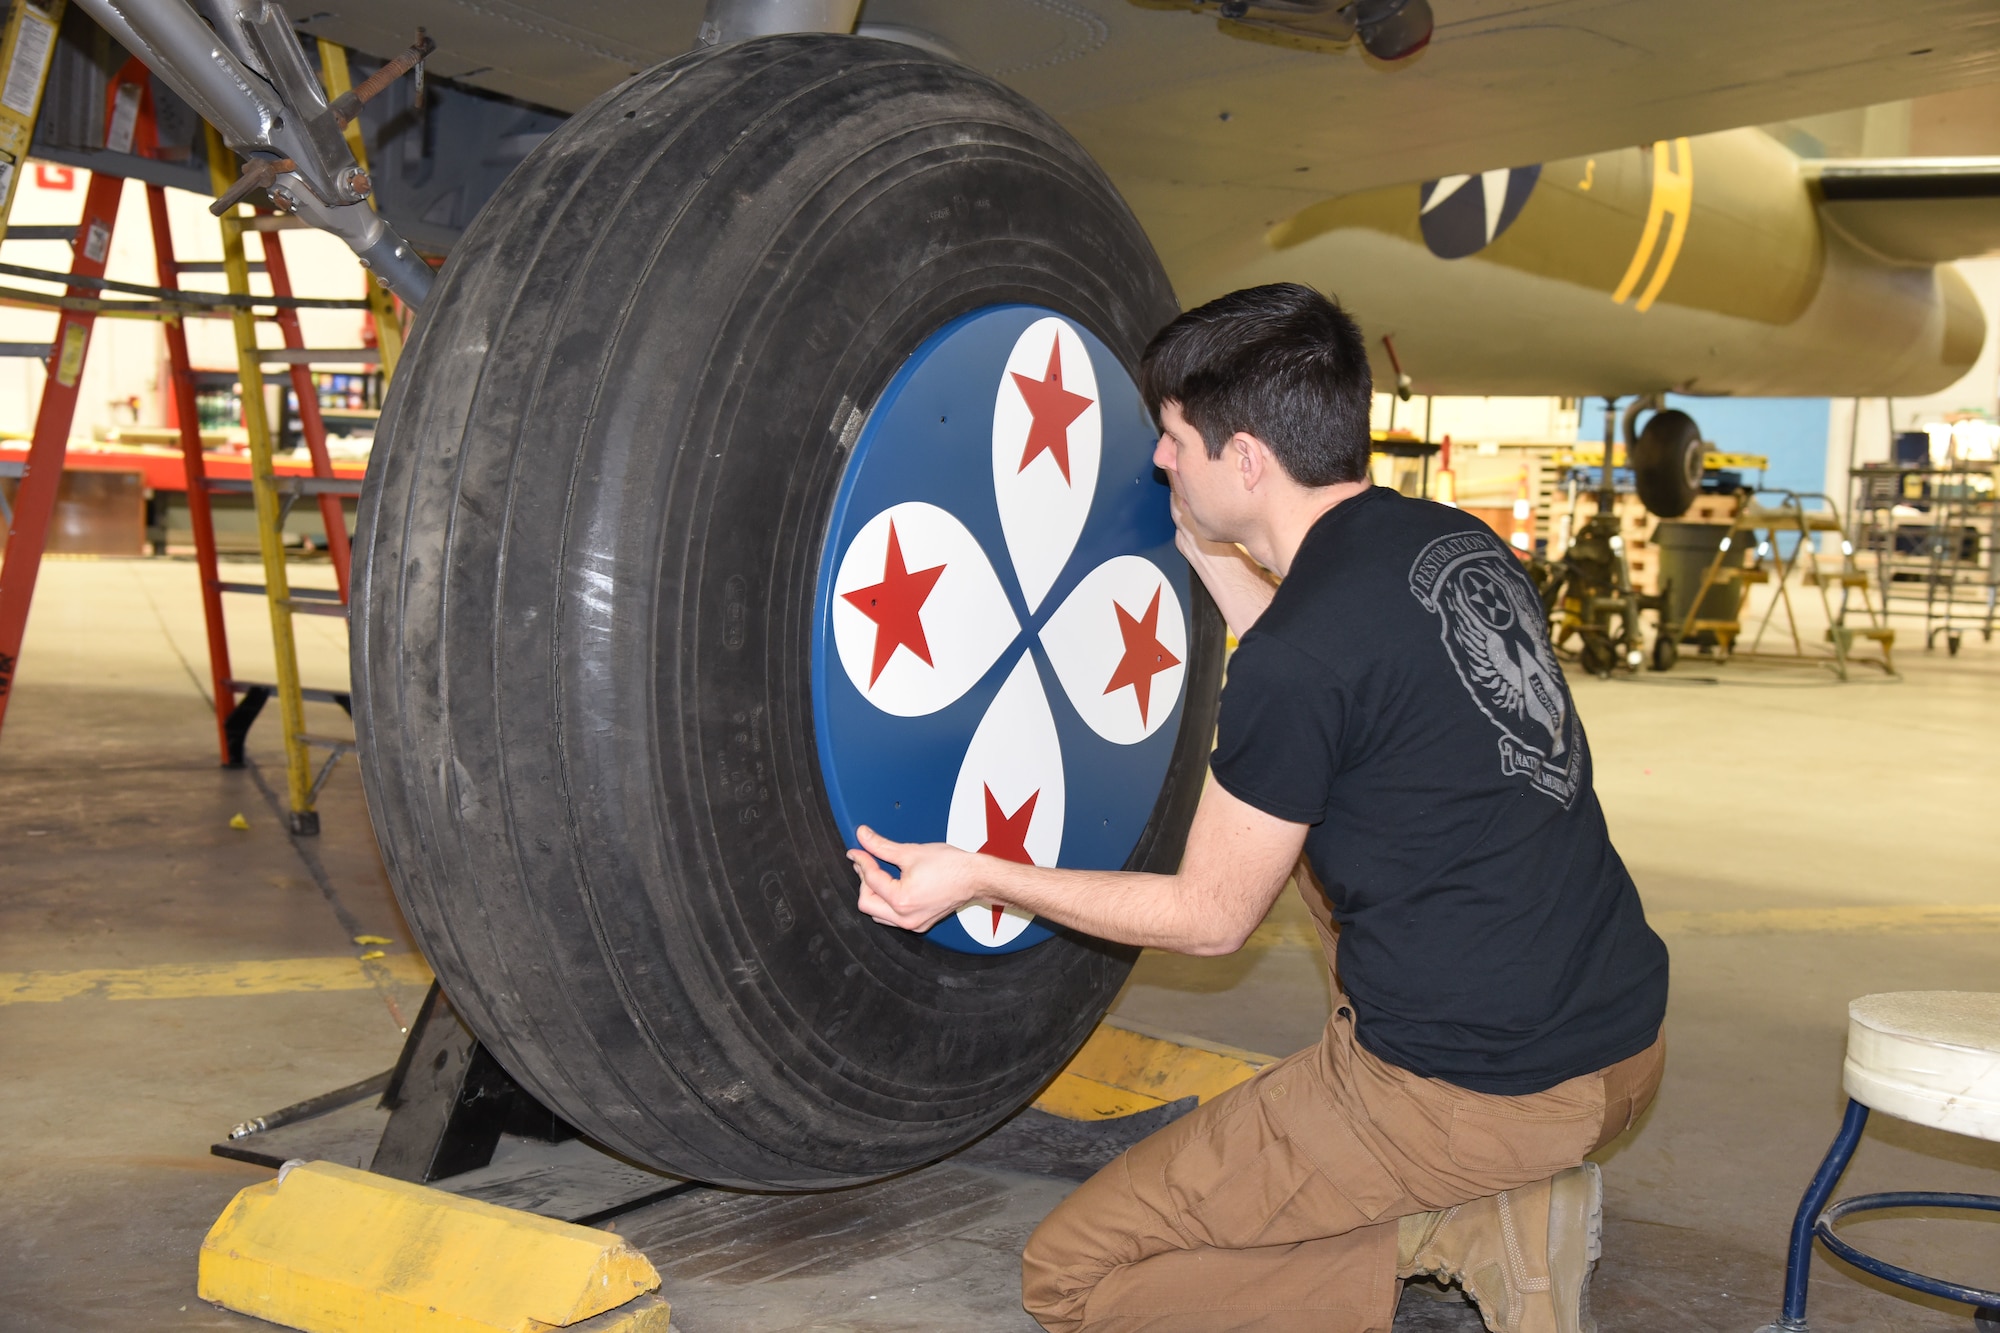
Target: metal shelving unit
point(1929, 532)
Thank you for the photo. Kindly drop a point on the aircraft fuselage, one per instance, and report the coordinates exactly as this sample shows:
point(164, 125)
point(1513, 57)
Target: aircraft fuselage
point(1701, 265)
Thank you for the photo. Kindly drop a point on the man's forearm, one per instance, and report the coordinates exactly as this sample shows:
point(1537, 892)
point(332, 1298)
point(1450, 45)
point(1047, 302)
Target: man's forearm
point(1153, 911)
point(1236, 862)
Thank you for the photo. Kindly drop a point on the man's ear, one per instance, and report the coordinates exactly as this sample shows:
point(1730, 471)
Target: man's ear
point(1251, 458)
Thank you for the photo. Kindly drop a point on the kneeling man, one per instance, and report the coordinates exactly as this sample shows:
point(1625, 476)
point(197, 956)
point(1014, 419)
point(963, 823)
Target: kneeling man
point(1394, 711)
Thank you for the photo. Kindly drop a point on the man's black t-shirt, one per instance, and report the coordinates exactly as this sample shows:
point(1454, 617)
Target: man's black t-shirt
point(1399, 695)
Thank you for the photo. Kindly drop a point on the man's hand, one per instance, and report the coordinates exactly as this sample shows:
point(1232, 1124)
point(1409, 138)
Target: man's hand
point(938, 879)
point(1240, 586)
point(1191, 544)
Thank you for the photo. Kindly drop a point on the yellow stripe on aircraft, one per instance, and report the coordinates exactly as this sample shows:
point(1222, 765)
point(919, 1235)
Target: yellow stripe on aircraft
point(1672, 202)
point(184, 981)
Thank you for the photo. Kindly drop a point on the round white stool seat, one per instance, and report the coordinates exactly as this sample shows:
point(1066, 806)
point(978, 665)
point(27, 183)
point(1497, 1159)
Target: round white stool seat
point(1929, 1057)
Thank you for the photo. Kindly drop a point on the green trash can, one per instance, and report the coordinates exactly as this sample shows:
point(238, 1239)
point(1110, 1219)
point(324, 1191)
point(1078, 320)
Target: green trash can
point(1685, 552)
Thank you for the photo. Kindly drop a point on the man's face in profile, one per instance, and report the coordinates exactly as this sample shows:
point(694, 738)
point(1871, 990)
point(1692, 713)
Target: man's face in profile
point(1202, 485)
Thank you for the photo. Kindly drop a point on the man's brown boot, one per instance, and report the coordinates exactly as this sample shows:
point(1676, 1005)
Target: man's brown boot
point(1524, 1255)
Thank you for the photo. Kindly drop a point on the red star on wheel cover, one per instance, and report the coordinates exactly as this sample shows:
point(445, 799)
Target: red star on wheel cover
point(895, 605)
point(1053, 407)
point(1007, 836)
point(1145, 656)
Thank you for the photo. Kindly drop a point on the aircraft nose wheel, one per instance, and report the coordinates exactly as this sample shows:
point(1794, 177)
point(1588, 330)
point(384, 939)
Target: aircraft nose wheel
point(1598, 656)
point(768, 460)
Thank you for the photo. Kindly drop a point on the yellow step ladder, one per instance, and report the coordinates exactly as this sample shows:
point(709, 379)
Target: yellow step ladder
point(272, 495)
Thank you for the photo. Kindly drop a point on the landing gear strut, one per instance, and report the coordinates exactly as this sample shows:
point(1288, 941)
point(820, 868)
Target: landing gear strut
point(1588, 589)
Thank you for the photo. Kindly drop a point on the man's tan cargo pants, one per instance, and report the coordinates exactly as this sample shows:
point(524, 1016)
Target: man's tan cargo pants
point(1275, 1206)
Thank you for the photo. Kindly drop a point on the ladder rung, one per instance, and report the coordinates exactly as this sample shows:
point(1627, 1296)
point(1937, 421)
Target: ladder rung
point(13, 468)
point(298, 594)
point(39, 351)
point(56, 232)
point(316, 607)
point(314, 356)
point(308, 692)
point(325, 485)
point(215, 266)
point(337, 744)
point(348, 486)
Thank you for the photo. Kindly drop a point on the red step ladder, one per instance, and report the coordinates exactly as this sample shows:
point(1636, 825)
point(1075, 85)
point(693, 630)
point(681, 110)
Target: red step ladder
point(129, 117)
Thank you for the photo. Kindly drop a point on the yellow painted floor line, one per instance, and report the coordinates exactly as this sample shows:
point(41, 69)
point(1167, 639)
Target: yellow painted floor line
point(1828, 920)
point(183, 981)
point(1926, 919)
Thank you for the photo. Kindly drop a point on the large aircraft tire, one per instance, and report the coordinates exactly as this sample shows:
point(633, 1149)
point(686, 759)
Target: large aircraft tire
point(1667, 463)
point(585, 619)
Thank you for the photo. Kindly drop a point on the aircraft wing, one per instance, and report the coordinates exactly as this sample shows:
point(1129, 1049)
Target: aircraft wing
point(1923, 210)
point(1166, 89)
point(1216, 130)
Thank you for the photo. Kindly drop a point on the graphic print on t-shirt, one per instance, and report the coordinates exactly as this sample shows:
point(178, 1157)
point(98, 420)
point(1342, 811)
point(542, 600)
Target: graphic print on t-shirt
point(1493, 627)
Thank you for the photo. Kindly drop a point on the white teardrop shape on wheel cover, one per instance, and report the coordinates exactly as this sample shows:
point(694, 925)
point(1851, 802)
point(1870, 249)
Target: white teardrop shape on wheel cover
point(1048, 435)
point(1119, 646)
point(1009, 798)
point(938, 598)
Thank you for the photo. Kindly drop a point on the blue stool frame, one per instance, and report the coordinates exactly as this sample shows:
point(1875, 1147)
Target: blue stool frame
point(1815, 1220)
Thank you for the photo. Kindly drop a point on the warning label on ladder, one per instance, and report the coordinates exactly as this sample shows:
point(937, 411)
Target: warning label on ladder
point(124, 118)
point(23, 89)
point(70, 364)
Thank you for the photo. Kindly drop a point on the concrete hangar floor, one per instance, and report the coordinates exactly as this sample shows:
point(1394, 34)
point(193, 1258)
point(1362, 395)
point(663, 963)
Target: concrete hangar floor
point(1798, 842)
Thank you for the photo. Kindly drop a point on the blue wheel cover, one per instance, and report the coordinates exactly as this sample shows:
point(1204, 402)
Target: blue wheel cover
point(1000, 624)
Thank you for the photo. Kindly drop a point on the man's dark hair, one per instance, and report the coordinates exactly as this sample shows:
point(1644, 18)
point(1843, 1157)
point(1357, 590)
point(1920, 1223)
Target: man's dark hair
point(1280, 362)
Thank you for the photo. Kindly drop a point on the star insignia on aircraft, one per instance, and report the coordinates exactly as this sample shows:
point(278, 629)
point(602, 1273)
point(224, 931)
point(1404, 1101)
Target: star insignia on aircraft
point(1462, 215)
